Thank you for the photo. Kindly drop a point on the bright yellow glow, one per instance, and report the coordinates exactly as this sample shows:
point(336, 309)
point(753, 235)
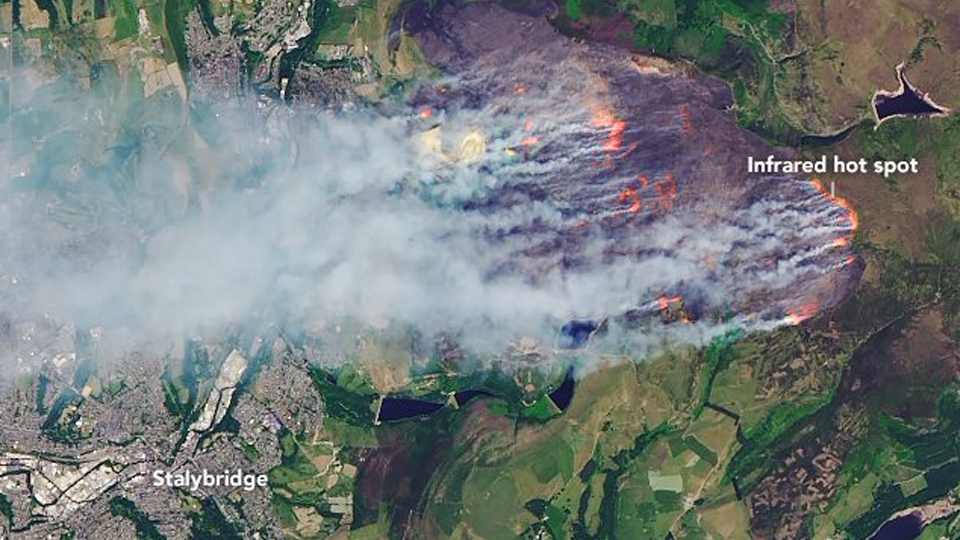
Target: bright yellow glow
point(471, 148)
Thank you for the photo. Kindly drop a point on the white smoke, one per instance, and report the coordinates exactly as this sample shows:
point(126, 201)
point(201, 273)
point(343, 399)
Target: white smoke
point(302, 219)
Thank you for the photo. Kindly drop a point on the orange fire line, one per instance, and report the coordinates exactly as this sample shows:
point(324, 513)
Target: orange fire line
point(665, 301)
point(687, 122)
point(854, 220)
point(667, 192)
point(804, 312)
point(630, 195)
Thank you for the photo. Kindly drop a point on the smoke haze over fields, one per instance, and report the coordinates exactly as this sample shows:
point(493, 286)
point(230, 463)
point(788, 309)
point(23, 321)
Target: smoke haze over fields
point(496, 208)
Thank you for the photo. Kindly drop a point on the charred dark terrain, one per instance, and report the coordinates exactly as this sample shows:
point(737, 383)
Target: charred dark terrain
point(622, 162)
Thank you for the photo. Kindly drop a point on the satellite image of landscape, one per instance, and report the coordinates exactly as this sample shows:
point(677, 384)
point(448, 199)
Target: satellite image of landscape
point(480, 269)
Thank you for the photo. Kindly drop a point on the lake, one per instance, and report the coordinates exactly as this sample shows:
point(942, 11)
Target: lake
point(563, 395)
point(908, 101)
point(905, 527)
point(399, 408)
